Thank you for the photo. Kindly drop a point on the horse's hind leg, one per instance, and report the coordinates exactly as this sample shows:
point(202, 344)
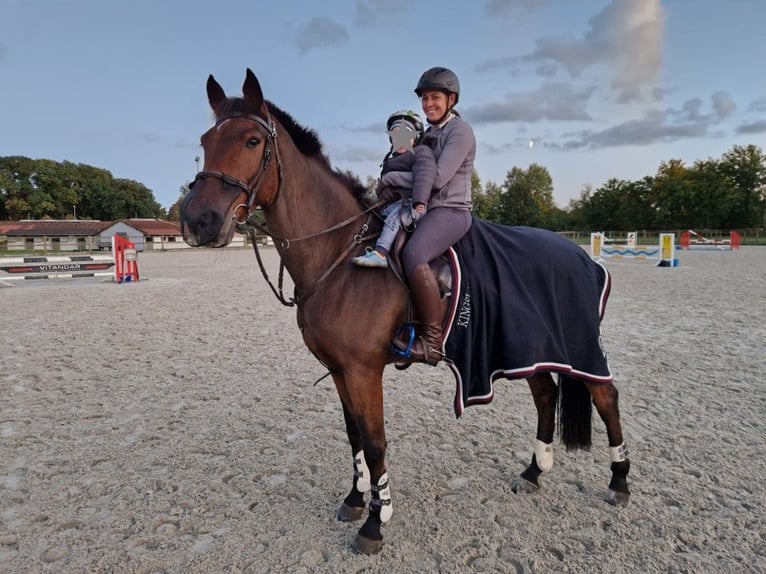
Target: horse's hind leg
point(545, 394)
point(605, 397)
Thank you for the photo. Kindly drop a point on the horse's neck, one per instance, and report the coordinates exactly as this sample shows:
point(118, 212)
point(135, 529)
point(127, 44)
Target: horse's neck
point(312, 200)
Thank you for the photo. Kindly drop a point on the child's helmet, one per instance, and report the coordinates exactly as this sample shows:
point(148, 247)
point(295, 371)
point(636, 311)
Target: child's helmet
point(407, 119)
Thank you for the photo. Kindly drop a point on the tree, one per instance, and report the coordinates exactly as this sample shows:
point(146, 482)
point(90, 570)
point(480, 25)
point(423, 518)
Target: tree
point(518, 205)
point(576, 208)
point(487, 203)
point(527, 197)
point(541, 184)
point(174, 213)
point(17, 174)
point(44, 188)
point(602, 210)
point(714, 196)
point(746, 167)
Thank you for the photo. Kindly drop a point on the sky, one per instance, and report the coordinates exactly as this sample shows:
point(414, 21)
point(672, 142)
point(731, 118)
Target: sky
point(589, 89)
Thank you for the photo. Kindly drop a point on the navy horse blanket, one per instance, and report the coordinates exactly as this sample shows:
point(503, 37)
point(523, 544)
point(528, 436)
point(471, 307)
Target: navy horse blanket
point(524, 301)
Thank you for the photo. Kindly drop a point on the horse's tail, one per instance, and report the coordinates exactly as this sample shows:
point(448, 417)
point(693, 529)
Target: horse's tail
point(575, 412)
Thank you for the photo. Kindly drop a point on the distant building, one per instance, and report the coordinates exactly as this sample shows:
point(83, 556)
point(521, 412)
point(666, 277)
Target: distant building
point(89, 235)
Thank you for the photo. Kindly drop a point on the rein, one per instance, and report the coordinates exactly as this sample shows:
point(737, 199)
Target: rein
point(249, 225)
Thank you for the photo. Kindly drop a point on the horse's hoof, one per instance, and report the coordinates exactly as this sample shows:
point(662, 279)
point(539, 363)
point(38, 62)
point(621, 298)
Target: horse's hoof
point(619, 498)
point(521, 485)
point(348, 513)
point(368, 546)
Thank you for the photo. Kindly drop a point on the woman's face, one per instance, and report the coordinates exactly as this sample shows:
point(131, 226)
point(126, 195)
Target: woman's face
point(435, 104)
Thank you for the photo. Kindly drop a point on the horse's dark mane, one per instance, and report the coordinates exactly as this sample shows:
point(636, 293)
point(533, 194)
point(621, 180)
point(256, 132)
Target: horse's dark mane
point(305, 139)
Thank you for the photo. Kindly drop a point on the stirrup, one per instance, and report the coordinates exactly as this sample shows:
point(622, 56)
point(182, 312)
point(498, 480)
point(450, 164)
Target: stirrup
point(405, 353)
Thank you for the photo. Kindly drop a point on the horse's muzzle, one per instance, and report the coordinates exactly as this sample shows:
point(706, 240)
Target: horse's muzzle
point(206, 224)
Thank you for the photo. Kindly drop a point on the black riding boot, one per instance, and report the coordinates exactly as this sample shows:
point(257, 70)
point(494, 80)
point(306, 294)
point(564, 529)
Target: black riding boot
point(427, 347)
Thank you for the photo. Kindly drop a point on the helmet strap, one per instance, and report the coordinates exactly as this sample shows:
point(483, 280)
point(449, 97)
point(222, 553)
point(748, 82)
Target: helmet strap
point(448, 115)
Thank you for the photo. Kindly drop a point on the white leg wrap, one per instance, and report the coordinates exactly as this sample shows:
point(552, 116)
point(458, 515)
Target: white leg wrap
point(544, 455)
point(619, 453)
point(383, 498)
point(361, 472)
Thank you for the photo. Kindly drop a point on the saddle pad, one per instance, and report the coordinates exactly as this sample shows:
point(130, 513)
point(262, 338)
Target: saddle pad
point(526, 301)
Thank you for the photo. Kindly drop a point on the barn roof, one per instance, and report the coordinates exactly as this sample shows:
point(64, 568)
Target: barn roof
point(55, 227)
point(80, 227)
point(154, 226)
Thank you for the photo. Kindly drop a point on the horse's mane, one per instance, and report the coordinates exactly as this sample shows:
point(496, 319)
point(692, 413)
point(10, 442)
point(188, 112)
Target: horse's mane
point(305, 139)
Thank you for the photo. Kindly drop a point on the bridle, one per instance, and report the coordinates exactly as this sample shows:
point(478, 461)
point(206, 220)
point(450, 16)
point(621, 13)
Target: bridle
point(252, 187)
point(248, 224)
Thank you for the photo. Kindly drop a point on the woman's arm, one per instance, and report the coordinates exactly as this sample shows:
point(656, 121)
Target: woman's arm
point(460, 141)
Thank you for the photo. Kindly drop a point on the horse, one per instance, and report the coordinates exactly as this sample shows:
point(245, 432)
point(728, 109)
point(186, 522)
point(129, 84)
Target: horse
point(256, 156)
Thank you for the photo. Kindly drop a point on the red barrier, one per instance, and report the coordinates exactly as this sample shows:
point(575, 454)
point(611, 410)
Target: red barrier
point(700, 242)
point(125, 260)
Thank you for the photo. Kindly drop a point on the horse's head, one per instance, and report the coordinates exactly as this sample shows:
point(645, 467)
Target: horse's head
point(239, 172)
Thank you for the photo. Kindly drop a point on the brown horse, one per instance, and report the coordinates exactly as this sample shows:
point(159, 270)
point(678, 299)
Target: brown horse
point(256, 155)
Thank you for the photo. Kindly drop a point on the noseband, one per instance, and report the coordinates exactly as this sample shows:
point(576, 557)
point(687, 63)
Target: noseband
point(252, 188)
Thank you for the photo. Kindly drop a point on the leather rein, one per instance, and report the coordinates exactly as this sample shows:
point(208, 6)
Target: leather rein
point(249, 225)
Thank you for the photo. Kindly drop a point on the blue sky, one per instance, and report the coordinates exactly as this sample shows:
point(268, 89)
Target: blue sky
point(604, 88)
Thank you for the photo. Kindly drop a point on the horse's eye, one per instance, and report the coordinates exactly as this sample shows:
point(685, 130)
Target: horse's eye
point(252, 142)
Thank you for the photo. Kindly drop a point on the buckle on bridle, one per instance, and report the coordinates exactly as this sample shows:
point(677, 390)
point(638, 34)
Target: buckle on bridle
point(241, 208)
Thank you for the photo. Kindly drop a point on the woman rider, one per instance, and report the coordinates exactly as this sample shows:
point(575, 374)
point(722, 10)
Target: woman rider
point(447, 215)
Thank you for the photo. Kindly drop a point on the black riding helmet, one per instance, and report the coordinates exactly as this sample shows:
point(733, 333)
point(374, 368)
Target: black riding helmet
point(439, 79)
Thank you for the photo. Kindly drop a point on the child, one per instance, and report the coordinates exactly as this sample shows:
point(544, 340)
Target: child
point(405, 130)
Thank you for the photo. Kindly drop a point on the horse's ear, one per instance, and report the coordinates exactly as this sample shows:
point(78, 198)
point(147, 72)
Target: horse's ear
point(215, 94)
point(251, 89)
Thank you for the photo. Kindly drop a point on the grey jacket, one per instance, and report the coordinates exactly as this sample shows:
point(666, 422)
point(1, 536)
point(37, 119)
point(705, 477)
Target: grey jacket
point(454, 147)
point(421, 165)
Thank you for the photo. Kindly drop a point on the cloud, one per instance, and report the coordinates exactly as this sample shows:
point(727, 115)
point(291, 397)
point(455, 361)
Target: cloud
point(319, 32)
point(691, 110)
point(758, 127)
point(367, 12)
point(515, 145)
point(626, 36)
point(757, 106)
point(3, 52)
point(658, 126)
point(652, 128)
point(496, 63)
point(552, 101)
point(495, 8)
point(723, 105)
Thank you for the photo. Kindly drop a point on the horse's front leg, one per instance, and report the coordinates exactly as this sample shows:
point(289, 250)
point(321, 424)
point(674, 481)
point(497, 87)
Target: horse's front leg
point(362, 397)
point(605, 397)
point(353, 505)
point(545, 394)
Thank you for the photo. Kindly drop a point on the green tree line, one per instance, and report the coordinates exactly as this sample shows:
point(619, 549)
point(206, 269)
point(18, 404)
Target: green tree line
point(43, 188)
point(724, 193)
point(727, 193)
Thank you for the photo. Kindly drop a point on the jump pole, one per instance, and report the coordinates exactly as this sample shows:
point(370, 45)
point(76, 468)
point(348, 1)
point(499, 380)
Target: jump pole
point(699, 242)
point(121, 265)
point(664, 252)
